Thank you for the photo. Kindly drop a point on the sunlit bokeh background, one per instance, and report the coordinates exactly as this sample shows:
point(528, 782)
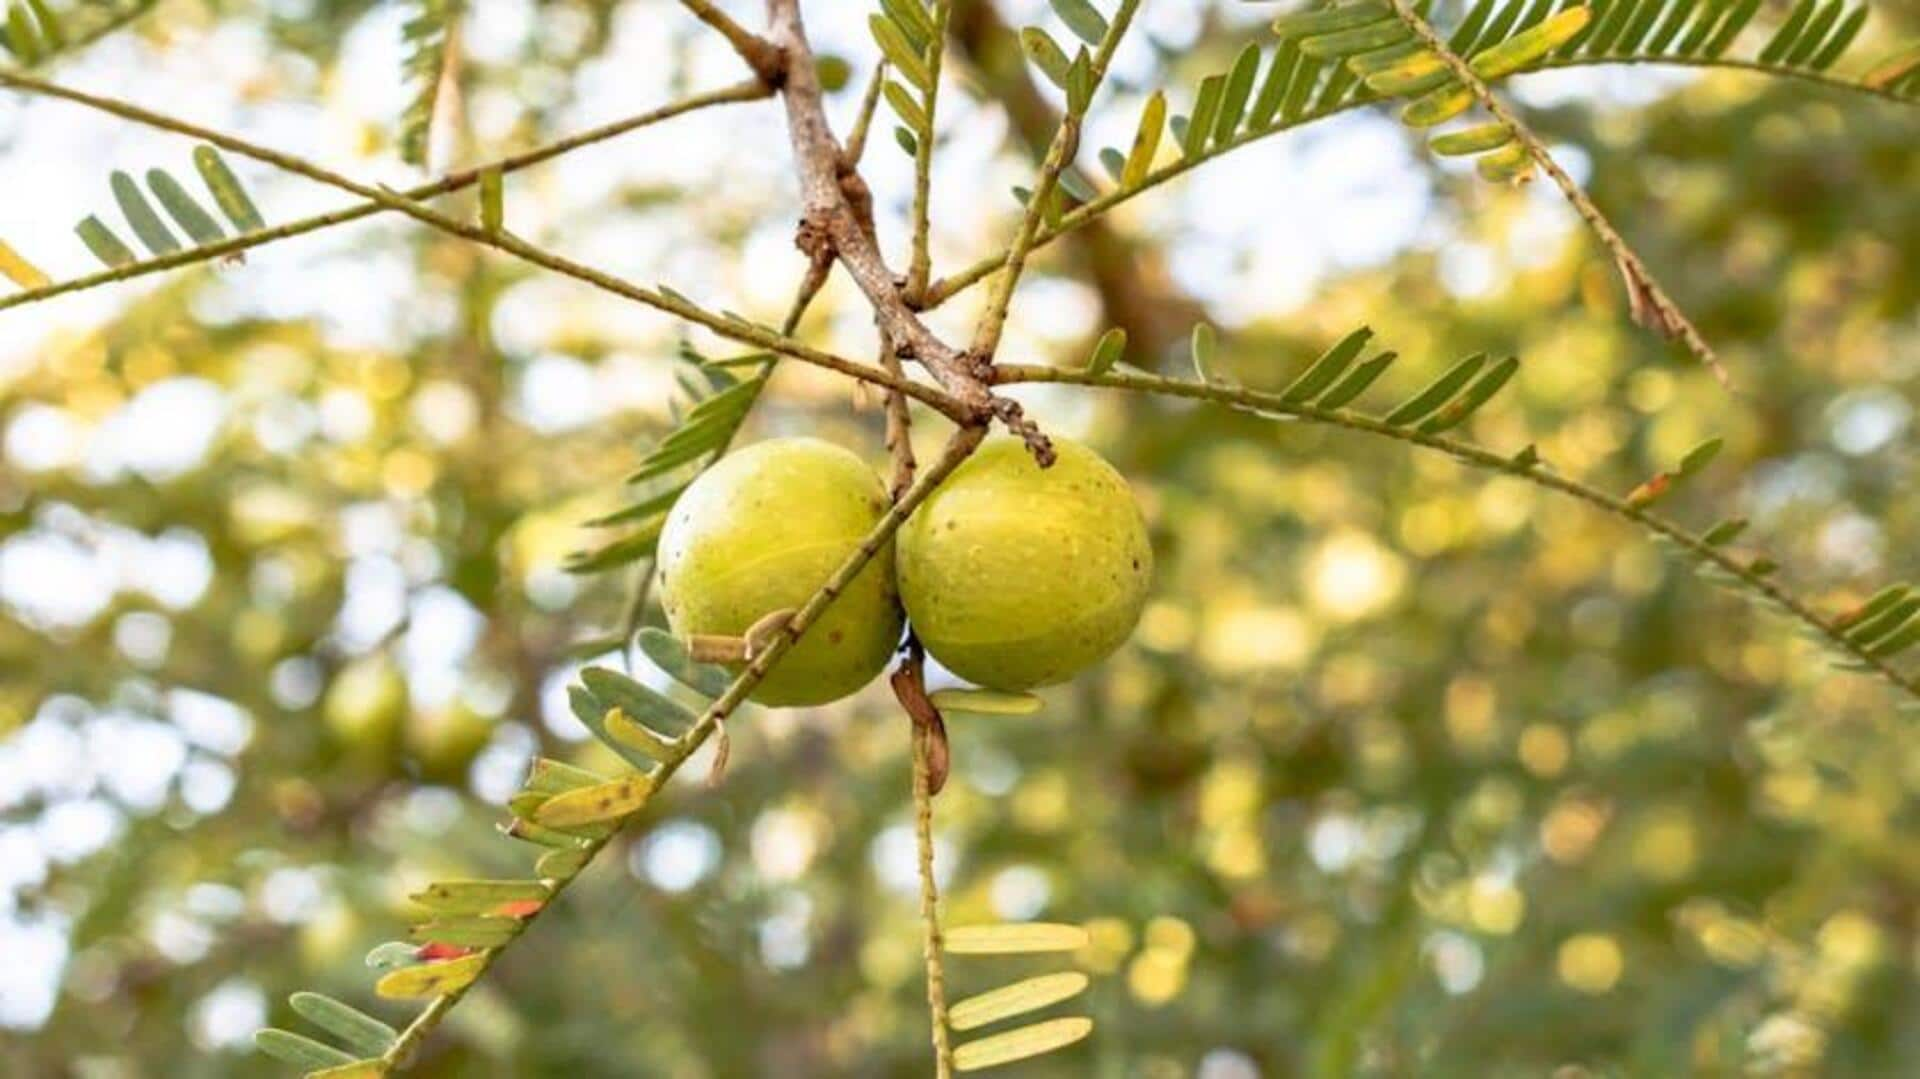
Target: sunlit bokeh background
point(1406, 770)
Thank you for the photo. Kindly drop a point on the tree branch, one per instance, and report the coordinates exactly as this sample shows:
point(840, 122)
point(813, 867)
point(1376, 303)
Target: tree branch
point(1754, 582)
point(452, 181)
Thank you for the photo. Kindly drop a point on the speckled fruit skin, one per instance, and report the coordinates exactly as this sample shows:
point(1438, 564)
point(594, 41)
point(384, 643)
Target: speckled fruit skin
point(1016, 576)
point(762, 530)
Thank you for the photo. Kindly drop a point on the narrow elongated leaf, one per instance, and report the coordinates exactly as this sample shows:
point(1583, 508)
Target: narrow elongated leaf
point(1725, 531)
point(146, 224)
point(1233, 101)
point(227, 192)
point(1300, 91)
point(1678, 13)
point(298, 1049)
point(1815, 32)
point(1009, 938)
point(1509, 164)
point(1343, 43)
point(1636, 28)
point(1477, 139)
point(1420, 74)
point(1331, 365)
point(466, 931)
point(1894, 70)
point(1366, 63)
point(560, 864)
point(991, 702)
point(912, 18)
point(627, 731)
point(616, 690)
point(194, 221)
point(1783, 39)
point(622, 552)
point(1206, 105)
point(1529, 45)
point(1203, 344)
point(899, 52)
point(596, 805)
point(669, 653)
point(1273, 89)
point(1875, 604)
point(1871, 629)
point(1356, 383)
point(1083, 19)
point(103, 243)
point(1106, 353)
point(1114, 162)
point(1837, 44)
point(22, 38)
point(1344, 17)
point(524, 829)
point(1468, 32)
point(1898, 641)
point(393, 955)
point(1072, 183)
point(1438, 392)
point(478, 896)
point(1456, 411)
point(548, 776)
point(901, 101)
point(17, 269)
point(1437, 106)
point(431, 979)
point(1045, 54)
point(52, 34)
point(1028, 1041)
point(1736, 21)
point(1700, 457)
point(1016, 999)
point(351, 1025)
point(1146, 141)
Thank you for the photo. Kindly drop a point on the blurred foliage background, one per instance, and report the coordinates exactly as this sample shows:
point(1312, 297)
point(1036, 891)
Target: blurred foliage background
point(1406, 771)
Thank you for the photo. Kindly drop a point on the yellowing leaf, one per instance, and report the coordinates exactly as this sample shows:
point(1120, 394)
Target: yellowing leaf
point(359, 1069)
point(431, 979)
point(592, 805)
point(19, 270)
point(1531, 44)
point(989, 702)
point(1020, 1044)
point(1012, 937)
point(1025, 996)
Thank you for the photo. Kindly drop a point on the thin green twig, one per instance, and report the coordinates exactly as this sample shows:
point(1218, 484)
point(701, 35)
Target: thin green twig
point(920, 261)
point(932, 946)
point(1755, 582)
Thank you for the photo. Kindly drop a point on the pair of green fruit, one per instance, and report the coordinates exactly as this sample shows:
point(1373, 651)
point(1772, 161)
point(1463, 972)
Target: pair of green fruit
point(1014, 576)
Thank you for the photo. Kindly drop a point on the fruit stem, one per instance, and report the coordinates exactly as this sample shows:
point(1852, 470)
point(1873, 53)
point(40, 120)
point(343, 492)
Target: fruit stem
point(933, 947)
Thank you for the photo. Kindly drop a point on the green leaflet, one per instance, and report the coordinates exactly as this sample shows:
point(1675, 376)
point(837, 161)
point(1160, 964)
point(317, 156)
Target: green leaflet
point(599, 804)
point(1510, 164)
point(987, 702)
point(1736, 21)
point(1700, 457)
point(629, 732)
point(1477, 139)
point(466, 931)
point(1876, 603)
point(900, 99)
point(1345, 17)
point(429, 36)
point(1437, 106)
point(477, 896)
point(298, 1050)
point(1233, 101)
point(1421, 74)
point(1146, 141)
point(1029, 995)
point(1045, 54)
point(1107, 352)
point(1114, 162)
point(103, 243)
point(228, 194)
point(902, 55)
point(616, 690)
point(1678, 14)
point(1529, 45)
point(1342, 43)
point(1784, 38)
point(1837, 44)
point(1366, 63)
point(1273, 89)
point(431, 979)
point(912, 19)
point(196, 222)
point(393, 955)
point(1206, 106)
point(1816, 32)
point(354, 1027)
point(1497, 26)
point(359, 1069)
point(1437, 392)
point(1456, 411)
point(561, 864)
point(1469, 29)
point(669, 653)
point(22, 39)
point(1898, 641)
point(1080, 17)
point(1357, 381)
point(1010, 938)
point(1331, 365)
point(53, 36)
point(1724, 532)
point(551, 777)
point(140, 215)
point(1028, 1041)
point(1869, 630)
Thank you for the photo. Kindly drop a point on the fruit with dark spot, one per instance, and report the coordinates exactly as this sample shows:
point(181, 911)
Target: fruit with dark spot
point(760, 532)
point(1015, 576)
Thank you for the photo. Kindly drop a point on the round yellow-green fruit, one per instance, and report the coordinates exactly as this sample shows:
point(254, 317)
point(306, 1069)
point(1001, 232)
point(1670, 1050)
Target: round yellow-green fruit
point(1016, 576)
point(760, 532)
